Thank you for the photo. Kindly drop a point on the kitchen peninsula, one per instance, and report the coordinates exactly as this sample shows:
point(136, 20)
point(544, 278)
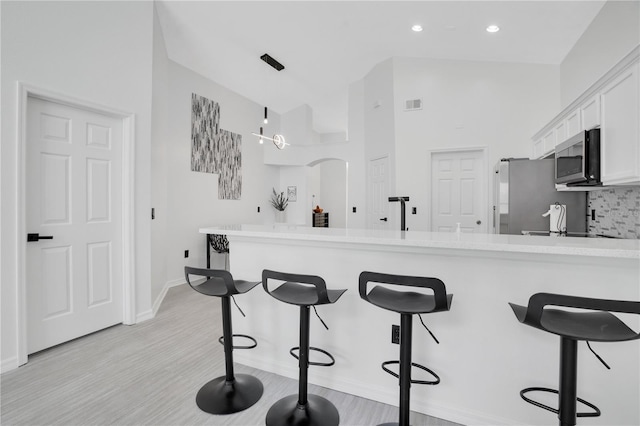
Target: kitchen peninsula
point(485, 356)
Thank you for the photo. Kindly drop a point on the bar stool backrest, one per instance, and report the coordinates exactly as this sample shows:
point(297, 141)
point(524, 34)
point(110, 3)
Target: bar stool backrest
point(314, 280)
point(442, 302)
point(218, 281)
point(538, 301)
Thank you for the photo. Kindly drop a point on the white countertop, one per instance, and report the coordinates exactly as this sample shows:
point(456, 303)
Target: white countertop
point(577, 246)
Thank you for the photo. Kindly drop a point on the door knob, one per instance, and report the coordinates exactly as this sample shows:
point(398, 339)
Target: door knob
point(478, 222)
point(37, 237)
point(384, 219)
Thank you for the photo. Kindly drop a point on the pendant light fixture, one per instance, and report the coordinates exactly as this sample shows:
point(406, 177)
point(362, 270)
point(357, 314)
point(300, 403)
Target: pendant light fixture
point(278, 140)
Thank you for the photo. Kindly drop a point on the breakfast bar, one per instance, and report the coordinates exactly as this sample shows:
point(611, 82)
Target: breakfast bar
point(485, 356)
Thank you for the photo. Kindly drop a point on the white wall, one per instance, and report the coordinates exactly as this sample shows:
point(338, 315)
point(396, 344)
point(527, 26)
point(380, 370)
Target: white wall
point(356, 164)
point(98, 52)
point(465, 104)
point(333, 191)
point(159, 178)
point(193, 196)
point(614, 32)
point(302, 177)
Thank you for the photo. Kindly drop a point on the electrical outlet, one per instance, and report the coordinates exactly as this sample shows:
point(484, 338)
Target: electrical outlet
point(414, 210)
point(395, 334)
point(186, 254)
point(153, 213)
point(258, 209)
point(354, 209)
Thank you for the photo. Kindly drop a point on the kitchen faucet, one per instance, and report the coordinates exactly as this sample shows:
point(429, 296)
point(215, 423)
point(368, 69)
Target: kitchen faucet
point(402, 210)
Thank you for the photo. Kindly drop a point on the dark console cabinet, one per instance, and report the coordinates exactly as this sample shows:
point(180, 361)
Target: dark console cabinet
point(320, 220)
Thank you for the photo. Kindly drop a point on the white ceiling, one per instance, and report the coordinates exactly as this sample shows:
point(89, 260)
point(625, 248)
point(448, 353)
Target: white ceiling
point(327, 45)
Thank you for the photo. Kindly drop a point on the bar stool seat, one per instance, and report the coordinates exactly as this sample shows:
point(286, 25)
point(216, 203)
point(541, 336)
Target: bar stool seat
point(302, 409)
point(407, 303)
point(591, 326)
point(301, 295)
point(230, 393)
point(594, 323)
point(403, 302)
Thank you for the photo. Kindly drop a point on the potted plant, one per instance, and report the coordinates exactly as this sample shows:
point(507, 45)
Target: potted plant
point(280, 203)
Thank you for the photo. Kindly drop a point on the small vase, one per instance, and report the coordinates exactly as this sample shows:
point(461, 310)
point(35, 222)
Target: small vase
point(281, 216)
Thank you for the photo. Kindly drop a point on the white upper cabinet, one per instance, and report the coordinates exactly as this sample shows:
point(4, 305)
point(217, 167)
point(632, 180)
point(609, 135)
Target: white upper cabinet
point(590, 112)
point(612, 104)
point(560, 133)
point(549, 141)
point(620, 129)
point(573, 124)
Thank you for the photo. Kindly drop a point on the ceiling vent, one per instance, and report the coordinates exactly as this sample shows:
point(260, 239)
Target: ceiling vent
point(413, 104)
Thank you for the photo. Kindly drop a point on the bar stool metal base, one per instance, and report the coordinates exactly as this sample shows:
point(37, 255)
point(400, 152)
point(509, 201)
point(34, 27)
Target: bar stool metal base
point(316, 412)
point(221, 397)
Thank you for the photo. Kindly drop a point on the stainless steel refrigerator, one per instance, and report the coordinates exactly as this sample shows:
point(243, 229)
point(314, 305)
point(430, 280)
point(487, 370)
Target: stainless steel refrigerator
point(524, 189)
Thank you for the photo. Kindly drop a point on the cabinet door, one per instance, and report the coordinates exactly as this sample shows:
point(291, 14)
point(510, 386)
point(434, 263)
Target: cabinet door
point(549, 141)
point(560, 133)
point(620, 157)
point(573, 123)
point(590, 112)
point(538, 149)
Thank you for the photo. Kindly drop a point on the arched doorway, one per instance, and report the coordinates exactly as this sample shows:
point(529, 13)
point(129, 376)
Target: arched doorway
point(328, 189)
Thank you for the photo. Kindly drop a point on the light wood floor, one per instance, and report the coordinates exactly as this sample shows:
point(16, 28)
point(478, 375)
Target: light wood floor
point(149, 373)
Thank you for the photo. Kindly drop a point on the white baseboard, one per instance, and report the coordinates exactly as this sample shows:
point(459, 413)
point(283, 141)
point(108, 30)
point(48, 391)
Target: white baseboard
point(144, 316)
point(156, 304)
point(9, 364)
point(385, 395)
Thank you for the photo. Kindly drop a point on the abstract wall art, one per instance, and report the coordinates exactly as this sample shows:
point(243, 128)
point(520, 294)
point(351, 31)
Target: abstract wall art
point(215, 150)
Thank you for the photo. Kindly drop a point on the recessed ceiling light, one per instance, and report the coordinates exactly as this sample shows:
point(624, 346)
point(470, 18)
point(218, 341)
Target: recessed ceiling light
point(416, 28)
point(493, 29)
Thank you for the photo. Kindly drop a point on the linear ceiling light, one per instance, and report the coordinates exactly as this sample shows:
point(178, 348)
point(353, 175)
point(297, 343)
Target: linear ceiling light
point(271, 61)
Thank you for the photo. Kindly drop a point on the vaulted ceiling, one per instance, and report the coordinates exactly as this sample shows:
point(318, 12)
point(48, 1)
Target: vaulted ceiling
point(327, 45)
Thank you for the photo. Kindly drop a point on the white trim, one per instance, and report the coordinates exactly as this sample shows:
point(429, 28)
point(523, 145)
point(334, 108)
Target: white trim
point(163, 293)
point(9, 364)
point(145, 316)
point(485, 187)
point(384, 395)
point(24, 91)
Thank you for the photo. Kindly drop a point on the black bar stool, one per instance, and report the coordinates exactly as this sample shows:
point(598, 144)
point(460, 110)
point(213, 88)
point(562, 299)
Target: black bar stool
point(406, 303)
point(302, 409)
point(599, 325)
point(229, 393)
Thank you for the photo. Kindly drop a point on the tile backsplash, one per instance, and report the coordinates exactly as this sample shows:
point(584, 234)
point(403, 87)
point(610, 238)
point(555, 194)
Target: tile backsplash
point(617, 212)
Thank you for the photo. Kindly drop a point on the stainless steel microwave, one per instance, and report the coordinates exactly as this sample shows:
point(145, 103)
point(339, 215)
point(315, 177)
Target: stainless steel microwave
point(578, 159)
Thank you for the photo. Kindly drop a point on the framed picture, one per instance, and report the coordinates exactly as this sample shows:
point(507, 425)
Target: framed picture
point(292, 193)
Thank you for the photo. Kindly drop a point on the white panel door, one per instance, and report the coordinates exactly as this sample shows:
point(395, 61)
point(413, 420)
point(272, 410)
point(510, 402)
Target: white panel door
point(378, 214)
point(74, 195)
point(458, 191)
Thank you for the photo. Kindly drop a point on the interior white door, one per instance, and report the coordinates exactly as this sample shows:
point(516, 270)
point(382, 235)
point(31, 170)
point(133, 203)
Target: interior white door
point(458, 191)
point(378, 212)
point(74, 195)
